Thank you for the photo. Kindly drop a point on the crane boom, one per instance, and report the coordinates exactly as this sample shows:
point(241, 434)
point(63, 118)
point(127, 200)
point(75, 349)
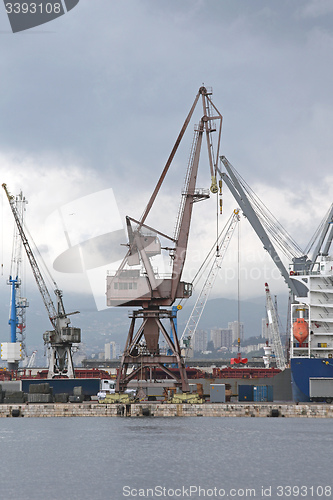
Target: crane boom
point(34, 266)
point(222, 244)
point(247, 209)
point(126, 287)
point(327, 230)
point(273, 331)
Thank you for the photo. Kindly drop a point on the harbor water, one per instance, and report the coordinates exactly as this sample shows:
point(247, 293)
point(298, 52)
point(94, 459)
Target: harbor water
point(98, 458)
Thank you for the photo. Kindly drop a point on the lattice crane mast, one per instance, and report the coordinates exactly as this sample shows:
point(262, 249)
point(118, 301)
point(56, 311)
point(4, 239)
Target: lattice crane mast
point(273, 331)
point(21, 303)
point(14, 351)
point(222, 246)
point(61, 339)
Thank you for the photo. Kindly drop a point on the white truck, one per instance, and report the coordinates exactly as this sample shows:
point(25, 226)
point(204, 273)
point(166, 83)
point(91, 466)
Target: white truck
point(321, 389)
point(108, 386)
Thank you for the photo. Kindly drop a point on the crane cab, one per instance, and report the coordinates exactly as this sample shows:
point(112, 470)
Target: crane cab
point(131, 288)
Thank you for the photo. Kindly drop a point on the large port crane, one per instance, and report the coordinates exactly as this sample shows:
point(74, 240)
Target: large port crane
point(137, 283)
point(60, 340)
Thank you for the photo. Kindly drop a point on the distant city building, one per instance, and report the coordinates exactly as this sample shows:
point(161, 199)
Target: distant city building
point(264, 328)
point(215, 337)
point(221, 337)
point(111, 350)
point(237, 328)
point(250, 348)
point(200, 340)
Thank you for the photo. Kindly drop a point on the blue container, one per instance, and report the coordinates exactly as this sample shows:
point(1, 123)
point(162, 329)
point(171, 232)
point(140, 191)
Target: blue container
point(262, 393)
point(245, 393)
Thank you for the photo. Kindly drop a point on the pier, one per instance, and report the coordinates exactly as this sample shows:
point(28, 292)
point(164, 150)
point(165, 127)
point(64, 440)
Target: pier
point(141, 410)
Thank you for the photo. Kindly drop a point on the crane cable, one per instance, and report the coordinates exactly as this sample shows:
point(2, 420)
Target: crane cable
point(209, 257)
point(49, 276)
point(317, 232)
point(2, 235)
point(238, 290)
point(283, 239)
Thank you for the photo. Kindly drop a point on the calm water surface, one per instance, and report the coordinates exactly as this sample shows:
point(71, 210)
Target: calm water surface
point(118, 458)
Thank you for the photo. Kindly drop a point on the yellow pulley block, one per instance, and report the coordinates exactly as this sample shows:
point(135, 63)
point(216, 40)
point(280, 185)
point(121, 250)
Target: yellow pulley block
point(214, 189)
point(179, 307)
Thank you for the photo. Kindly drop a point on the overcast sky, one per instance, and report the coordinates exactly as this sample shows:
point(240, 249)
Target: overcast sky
point(95, 100)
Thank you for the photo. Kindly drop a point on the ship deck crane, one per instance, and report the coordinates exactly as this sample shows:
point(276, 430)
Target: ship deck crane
point(258, 219)
point(273, 331)
point(133, 286)
point(222, 246)
point(269, 230)
point(59, 340)
point(31, 362)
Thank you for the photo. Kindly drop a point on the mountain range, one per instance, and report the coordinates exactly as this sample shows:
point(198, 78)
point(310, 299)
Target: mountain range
point(99, 327)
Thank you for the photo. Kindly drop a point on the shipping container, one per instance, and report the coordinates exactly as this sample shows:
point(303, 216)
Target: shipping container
point(245, 393)
point(262, 393)
point(321, 389)
point(90, 387)
point(256, 393)
point(217, 393)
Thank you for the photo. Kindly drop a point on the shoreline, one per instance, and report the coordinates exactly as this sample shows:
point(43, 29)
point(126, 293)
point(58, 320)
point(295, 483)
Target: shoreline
point(91, 409)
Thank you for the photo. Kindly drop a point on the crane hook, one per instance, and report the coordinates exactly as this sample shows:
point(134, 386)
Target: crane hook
point(214, 189)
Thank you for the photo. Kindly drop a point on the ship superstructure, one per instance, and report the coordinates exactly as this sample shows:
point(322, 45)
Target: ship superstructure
point(311, 343)
point(310, 283)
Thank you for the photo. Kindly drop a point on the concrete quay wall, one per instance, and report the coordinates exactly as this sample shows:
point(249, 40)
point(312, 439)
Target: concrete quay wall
point(167, 410)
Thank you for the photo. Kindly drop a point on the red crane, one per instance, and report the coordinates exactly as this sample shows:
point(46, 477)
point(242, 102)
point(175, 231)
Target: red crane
point(136, 282)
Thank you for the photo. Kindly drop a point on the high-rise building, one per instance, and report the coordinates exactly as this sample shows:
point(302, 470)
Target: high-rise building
point(237, 330)
point(111, 350)
point(221, 337)
point(200, 340)
point(215, 337)
point(226, 338)
point(264, 328)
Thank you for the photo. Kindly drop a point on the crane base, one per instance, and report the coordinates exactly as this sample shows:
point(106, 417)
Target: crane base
point(142, 350)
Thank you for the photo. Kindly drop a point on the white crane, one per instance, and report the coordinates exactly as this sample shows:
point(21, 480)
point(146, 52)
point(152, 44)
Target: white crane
point(222, 246)
point(32, 360)
point(273, 331)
